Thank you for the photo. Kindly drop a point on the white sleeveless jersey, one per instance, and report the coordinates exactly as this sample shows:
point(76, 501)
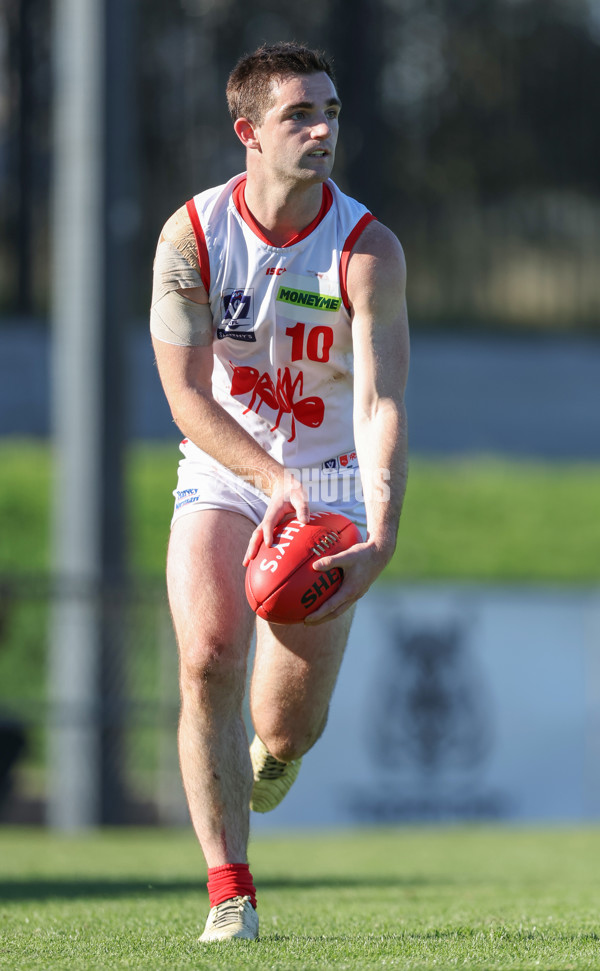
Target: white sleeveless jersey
point(282, 337)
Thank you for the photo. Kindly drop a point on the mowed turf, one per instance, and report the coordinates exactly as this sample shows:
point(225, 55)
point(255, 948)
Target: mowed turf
point(402, 898)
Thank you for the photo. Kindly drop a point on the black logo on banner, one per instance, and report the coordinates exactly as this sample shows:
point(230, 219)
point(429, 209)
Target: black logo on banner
point(430, 732)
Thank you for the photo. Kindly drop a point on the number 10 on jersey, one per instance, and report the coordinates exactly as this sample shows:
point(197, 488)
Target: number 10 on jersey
point(318, 342)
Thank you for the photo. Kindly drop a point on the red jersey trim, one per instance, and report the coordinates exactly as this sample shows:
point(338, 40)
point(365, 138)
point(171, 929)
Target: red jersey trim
point(203, 260)
point(347, 250)
point(239, 202)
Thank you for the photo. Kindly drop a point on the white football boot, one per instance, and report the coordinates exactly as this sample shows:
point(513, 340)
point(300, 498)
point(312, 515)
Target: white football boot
point(234, 919)
point(272, 778)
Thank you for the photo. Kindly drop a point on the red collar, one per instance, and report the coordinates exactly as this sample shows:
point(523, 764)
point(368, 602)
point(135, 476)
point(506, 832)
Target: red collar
point(239, 201)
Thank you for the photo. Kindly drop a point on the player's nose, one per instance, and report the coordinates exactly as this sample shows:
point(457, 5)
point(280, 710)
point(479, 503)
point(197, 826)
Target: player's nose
point(321, 128)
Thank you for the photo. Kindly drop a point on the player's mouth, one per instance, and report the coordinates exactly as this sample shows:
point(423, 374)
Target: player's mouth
point(319, 153)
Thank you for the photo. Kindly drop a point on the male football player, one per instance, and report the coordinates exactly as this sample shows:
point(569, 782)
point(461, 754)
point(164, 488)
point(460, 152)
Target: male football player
point(280, 331)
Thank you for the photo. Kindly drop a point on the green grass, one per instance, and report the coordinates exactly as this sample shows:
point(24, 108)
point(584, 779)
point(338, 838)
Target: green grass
point(475, 519)
point(402, 898)
point(482, 520)
point(500, 521)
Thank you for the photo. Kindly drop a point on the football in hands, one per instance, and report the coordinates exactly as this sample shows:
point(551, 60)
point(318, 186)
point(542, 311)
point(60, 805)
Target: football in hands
point(281, 585)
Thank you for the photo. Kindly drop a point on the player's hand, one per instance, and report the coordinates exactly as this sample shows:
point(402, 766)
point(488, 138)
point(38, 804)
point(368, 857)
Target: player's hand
point(288, 496)
point(361, 564)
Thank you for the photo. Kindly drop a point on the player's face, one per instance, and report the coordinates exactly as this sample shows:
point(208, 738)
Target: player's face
point(299, 131)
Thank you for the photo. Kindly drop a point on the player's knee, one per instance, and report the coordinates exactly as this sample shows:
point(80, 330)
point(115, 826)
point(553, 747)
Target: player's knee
point(211, 666)
point(292, 741)
point(286, 748)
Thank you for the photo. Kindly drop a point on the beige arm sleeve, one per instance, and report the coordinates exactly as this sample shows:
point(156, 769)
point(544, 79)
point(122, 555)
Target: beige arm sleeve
point(174, 318)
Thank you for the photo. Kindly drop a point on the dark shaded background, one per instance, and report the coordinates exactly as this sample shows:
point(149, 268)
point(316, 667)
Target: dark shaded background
point(469, 126)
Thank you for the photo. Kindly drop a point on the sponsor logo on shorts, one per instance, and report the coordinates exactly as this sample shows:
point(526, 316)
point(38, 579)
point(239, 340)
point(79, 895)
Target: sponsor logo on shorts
point(305, 298)
point(183, 497)
point(237, 315)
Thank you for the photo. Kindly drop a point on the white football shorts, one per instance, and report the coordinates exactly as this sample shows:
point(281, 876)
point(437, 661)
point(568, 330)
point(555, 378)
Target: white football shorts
point(203, 483)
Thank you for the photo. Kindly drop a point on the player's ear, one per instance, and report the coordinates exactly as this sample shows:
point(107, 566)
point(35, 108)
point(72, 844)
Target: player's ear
point(246, 132)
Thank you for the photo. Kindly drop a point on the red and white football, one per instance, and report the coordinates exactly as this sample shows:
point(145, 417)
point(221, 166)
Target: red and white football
point(281, 585)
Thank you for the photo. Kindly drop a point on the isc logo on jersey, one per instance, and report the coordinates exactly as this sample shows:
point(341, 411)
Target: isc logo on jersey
point(237, 315)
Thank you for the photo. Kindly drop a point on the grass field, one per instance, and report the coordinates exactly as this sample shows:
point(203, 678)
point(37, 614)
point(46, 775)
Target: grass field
point(473, 519)
point(401, 898)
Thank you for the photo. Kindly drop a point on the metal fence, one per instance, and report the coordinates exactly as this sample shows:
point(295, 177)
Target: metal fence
point(133, 718)
point(524, 261)
point(467, 127)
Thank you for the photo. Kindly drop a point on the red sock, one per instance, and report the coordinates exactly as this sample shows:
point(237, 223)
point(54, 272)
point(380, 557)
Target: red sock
point(231, 880)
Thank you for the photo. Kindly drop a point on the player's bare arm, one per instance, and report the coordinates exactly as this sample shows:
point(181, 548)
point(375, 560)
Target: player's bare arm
point(185, 373)
point(376, 289)
point(182, 341)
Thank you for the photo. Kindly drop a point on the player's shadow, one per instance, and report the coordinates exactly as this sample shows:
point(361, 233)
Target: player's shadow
point(407, 939)
point(339, 882)
point(20, 889)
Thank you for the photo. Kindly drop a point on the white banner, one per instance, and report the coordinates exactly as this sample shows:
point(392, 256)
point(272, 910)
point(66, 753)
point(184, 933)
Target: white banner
point(459, 703)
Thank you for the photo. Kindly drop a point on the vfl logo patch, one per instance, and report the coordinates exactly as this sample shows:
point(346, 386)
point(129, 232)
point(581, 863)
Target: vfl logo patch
point(305, 298)
point(237, 316)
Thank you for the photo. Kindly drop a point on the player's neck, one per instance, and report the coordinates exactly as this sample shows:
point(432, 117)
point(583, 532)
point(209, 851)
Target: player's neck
point(282, 212)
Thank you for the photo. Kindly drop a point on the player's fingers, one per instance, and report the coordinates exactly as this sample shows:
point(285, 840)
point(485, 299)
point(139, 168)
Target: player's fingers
point(267, 531)
point(338, 603)
point(341, 560)
point(254, 545)
point(272, 518)
point(332, 608)
point(299, 501)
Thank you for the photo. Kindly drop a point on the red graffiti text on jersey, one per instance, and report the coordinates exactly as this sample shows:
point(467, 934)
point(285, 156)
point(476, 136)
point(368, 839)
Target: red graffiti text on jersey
point(280, 397)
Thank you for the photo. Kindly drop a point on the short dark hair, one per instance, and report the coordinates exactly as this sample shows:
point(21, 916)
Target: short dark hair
point(250, 82)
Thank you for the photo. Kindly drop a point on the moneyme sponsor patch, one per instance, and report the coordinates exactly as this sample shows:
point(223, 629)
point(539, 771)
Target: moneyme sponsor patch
point(306, 298)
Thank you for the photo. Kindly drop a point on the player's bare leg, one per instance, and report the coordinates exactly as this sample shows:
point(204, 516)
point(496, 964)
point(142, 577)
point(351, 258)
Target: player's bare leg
point(213, 624)
point(294, 675)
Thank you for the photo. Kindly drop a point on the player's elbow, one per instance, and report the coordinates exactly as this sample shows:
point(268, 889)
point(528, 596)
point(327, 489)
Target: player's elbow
point(375, 408)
